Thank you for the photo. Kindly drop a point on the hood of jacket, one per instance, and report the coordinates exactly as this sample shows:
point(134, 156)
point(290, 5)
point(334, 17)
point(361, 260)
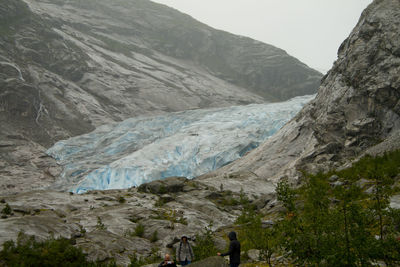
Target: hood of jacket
point(232, 236)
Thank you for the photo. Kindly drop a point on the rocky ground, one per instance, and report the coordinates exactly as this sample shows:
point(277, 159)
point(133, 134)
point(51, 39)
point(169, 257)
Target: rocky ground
point(103, 223)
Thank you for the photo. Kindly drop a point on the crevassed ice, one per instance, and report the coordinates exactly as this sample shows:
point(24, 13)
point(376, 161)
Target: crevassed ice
point(188, 143)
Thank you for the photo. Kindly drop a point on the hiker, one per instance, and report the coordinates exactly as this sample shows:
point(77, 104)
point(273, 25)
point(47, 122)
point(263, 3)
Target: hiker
point(184, 253)
point(167, 262)
point(234, 250)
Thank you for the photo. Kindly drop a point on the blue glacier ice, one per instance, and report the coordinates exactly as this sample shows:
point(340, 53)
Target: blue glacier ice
point(188, 143)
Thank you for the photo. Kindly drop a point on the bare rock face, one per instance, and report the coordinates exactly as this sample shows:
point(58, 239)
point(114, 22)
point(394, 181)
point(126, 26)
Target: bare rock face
point(357, 108)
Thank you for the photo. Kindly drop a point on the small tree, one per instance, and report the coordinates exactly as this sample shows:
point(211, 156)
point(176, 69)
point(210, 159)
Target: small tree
point(342, 225)
point(255, 236)
point(205, 246)
point(286, 195)
point(154, 237)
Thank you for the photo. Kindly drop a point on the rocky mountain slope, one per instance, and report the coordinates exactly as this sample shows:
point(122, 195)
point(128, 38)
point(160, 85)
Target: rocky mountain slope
point(356, 110)
point(68, 66)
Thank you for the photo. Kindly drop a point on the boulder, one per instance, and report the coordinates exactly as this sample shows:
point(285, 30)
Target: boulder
point(254, 255)
point(168, 185)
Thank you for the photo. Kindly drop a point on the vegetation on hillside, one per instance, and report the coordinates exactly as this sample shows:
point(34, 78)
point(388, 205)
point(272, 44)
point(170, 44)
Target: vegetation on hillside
point(340, 218)
point(205, 246)
point(52, 252)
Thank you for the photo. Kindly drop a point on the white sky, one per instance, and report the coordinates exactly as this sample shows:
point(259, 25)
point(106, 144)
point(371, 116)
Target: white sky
point(310, 30)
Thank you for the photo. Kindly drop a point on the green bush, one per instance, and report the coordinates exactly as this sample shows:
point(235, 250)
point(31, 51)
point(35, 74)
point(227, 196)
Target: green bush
point(154, 237)
point(136, 261)
point(205, 246)
point(139, 230)
point(160, 202)
point(6, 210)
point(121, 199)
point(52, 252)
point(254, 235)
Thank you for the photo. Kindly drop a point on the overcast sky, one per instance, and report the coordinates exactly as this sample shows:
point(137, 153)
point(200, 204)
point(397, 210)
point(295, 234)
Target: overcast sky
point(310, 30)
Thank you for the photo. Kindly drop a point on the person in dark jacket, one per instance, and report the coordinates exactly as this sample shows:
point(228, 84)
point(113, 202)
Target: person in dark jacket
point(234, 250)
point(167, 262)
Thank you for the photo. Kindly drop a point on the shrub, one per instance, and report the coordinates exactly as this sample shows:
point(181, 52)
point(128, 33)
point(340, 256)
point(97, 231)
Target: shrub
point(205, 246)
point(255, 236)
point(154, 237)
point(121, 199)
point(100, 225)
point(53, 252)
point(136, 261)
point(6, 210)
point(160, 202)
point(139, 230)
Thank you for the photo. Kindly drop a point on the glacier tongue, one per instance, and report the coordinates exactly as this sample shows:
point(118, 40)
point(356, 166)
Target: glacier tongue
point(188, 143)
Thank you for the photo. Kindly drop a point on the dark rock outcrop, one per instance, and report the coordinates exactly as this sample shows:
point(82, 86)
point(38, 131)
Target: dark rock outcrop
point(168, 185)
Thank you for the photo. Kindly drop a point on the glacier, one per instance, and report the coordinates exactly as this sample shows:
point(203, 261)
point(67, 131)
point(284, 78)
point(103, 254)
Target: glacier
point(147, 148)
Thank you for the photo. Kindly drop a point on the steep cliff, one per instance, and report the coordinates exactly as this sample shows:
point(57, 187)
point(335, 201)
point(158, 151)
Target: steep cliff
point(356, 110)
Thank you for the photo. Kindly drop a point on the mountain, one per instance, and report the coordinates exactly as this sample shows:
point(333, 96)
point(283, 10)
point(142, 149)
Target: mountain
point(68, 66)
point(356, 110)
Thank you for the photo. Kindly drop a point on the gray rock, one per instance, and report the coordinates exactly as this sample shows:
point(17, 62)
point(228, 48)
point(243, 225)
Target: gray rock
point(214, 195)
point(395, 202)
point(337, 183)
point(168, 185)
point(267, 223)
point(370, 190)
point(263, 200)
point(333, 178)
point(254, 255)
point(362, 183)
point(210, 262)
